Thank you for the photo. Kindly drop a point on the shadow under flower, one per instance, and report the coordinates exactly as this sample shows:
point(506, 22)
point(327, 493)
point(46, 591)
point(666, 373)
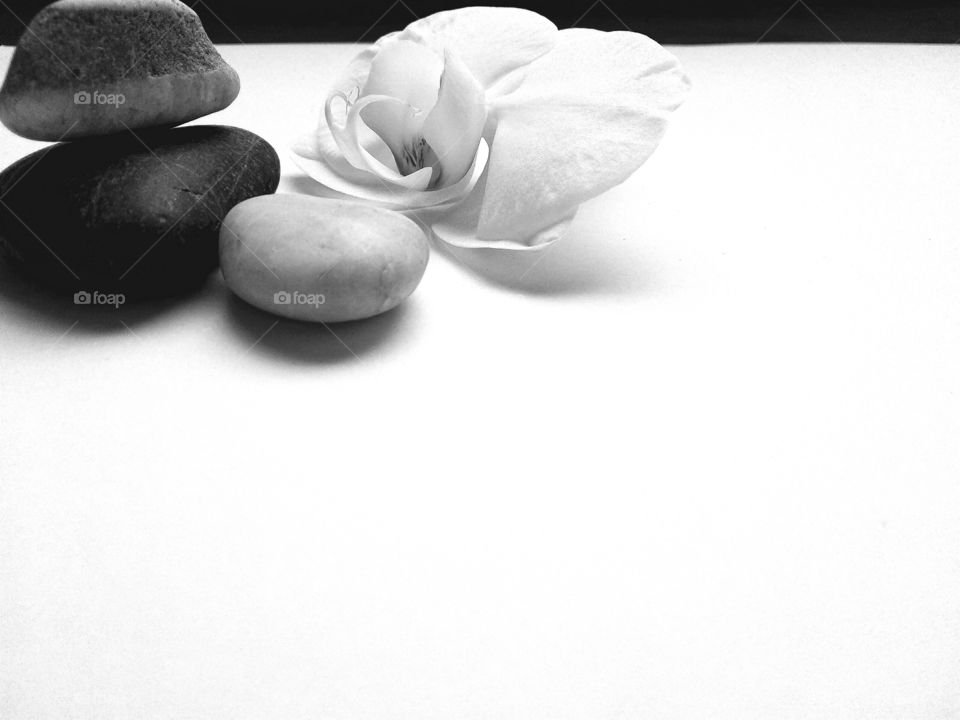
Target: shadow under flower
point(579, 263)
point(309, 342)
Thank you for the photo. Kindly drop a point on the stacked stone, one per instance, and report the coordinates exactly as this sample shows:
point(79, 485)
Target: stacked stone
point(125, 201)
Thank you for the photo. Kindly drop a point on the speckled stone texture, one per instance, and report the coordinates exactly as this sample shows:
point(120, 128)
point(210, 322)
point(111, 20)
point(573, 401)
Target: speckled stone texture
point(154, 54)
point(138, 214)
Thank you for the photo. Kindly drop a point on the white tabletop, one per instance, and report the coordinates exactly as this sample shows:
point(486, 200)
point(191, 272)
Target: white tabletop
point(698, 460)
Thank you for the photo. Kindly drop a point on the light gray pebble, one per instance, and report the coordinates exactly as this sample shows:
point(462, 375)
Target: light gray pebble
point(319, 259)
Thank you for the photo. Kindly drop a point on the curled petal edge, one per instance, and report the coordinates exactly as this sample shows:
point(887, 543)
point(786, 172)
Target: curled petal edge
point(541, 240)
point(395, 198)
point(347, 138)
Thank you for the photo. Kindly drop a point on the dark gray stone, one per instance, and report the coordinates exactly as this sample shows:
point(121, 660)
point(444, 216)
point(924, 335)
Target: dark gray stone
point(133, 213)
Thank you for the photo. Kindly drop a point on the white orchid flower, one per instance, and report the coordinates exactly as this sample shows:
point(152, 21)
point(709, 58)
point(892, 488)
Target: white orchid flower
point(493, 125)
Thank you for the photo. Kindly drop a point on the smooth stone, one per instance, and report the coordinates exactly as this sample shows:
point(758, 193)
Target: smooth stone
point(154, 54)
point(133, 213)
point(321, 260)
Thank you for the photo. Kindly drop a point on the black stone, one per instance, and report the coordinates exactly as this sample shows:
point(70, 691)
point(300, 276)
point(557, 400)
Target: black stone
point(137, 213)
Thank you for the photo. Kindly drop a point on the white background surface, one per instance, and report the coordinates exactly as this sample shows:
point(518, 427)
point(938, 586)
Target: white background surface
point(701, 460)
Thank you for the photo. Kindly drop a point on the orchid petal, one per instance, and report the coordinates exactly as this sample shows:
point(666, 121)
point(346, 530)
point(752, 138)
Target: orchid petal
point(491, 41)
point(458, 227)
point(320, 145)
point(355, 75)
point(382, 192)
point(406, 70)
point(455, 125)
point(586, 116)
point(347, 139)
point(345, 144)
point(409, 72)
